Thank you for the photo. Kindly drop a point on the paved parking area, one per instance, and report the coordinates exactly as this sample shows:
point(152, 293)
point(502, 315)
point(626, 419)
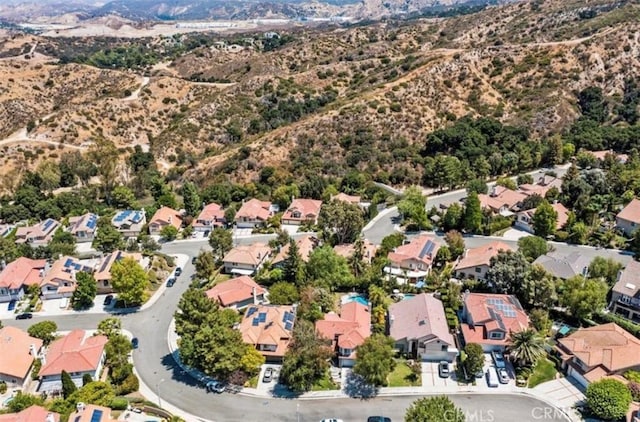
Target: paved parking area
point(241, 232)
point(565, 391)
point(432, 379)
point(268, 386)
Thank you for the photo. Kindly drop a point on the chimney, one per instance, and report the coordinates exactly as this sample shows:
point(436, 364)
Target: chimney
point(391, 319)
point(32, 350)
point(493, 191)
point(254, 293)
point(50, 418)
point(80, 406)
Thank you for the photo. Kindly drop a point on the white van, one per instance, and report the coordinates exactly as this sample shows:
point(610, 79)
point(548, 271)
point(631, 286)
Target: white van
point(492, 377)
point(64, 302)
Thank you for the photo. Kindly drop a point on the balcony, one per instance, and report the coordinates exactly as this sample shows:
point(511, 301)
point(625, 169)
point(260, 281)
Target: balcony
point(629, 302)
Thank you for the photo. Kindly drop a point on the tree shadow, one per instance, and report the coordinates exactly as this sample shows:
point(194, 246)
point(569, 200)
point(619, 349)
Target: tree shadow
point(356, 387)
point(178, 373)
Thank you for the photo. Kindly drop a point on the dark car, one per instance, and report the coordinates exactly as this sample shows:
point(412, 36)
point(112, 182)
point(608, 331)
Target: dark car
point(194, 259)
point(498, 359)
point(25, 315)
point(443, 369)
point(107, 300)
point(134, 342)
point(378, 419)
point(171, 282)
point(12, 305)
point(178, 271)
point(215, 387)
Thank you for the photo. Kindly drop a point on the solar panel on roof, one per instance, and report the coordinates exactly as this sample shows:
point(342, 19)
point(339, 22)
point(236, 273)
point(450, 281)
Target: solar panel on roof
point(96, 416)
point(91, 223)
point(288, 326)
point(137, 217)
point(262, 317)
point(290, 316)
point(427, 248)
point(47, 223)
point(251, 311)
point(255, 322)
point(68, 262)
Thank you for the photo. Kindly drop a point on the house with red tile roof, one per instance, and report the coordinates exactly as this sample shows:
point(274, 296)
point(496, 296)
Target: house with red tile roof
point(238, 293)
point(246, 259)
point(524, 219)
point(625, 294)
point(306, 244)
point(18, 351)
point(346, 331)
point(84, 227)
point(475, 262)
point(91, 413)
point(211, 216)
point(592, 353)
point(489, 318)
point(343, 197)
point(628, 220)
point(33, 413)
point(102, 272)
point(541, 187)
point(601, 155)
point(347, 250)
point(411, 262)
point(254, 213)
point(164, 217)
point(419, 327)
point(269, 328)
point(60, 279)
point(302, 211)
point(18, 275)
point(77, 353)
point(38, 234)
point(501, 200)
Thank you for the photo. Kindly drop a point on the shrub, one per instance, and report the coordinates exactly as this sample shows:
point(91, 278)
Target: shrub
point(3, 387)
point(608, 399)
point(634, 387)
point(37, 364)
point(130, 385)
point(119, 403)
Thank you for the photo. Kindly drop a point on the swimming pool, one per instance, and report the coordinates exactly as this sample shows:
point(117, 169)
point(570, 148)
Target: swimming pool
point(355, 298)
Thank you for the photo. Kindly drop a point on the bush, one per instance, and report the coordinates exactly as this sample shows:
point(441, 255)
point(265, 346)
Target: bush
point(608, 399)
point(3, 387)
point(130, 385)
point(631, 327)
point(119, 403)
point(634, 387)
point(37, 364)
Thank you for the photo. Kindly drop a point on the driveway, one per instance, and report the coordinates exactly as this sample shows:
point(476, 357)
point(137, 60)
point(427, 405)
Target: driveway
point(566, 392)
point(432, 380)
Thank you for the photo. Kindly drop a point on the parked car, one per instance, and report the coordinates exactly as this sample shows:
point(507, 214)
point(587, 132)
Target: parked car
point(378, 419)
point(171, 282)
point(492, 377)
point(498, 359)
point(12, 305)
point(107, 300)
point(193, 260)
point(331, 420)
point(268, 375)
point(443, 369)
point(503, 376)
point(134, 342)
point(178, 271)
point(24, 315)
point(215, 387)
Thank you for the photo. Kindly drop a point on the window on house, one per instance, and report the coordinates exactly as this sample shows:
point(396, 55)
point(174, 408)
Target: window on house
point(443, 347)
point(496, 335)
point(478, 269)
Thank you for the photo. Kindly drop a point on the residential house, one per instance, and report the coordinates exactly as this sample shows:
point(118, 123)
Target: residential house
point(78, 353)
point(211, 216)
point(411, 262)
point(246, 259)
point(347, 250)
point(102, 272)
point(590, 354)
point(32, 413)
point(489, 318)
point(542, 186)
point(238, 293)
point(343, 197)
point(6, 229)
point(302, 211)
point(269, 328)
point(164, 217)
point(129, 222)
point(38, 234)
point(625, 295)
point(60, 279)
point(18, 275)
point(91, 413)
point(84, 227)
point(524, 220)
point(475, 262)
point(346, 331)
point(601, 155)
point(501, 200)
point(306, 244)
point(564, 265)
point(18, 351)
point(254, 213)
point(628, 220)
point(419, 328)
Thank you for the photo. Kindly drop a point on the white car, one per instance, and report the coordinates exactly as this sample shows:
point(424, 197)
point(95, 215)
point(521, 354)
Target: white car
point(332, 420)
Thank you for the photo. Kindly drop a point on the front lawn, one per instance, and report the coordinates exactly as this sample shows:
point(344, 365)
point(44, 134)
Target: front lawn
point(403, 376)
point(544, 371)
point(324, 384)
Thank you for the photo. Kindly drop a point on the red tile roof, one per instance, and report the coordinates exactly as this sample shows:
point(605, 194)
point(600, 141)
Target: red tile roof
point(234, 290)
point(211, 212)
point(248, 254)
point(631, 212)
point(346, 250)
point(499, 197)
point(254, 209)
point(166, 216)
point(352, 327)
point(31, 414)
point(352, 199)
point(270, 330)
point(15, 352)
point(419, 317)
point(22, 272)
point(75, 352)
point(309, 209)
point(306, 245)
point(481, 255)
point(89, 414)
point(493, 312)
point(422, 248)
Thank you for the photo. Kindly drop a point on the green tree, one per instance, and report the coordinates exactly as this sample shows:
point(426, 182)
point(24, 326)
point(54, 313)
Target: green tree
point(44, 330)
point(452, 219)
point(96, 392)
point(390, 242)
point(283, 195)
point(221, 241)
point(107, 239)
point(191, 199)
point(22, 401)
point(455, 241)
point(412, 208)
point(439, 408)
point(605, 268)
point(507, 182)
point(592, 104)
point(327, 268)
point(62, 243)
point(540, 320)
point(375, 359)
point(123, 198)
point(68, 386)
point(130, 281)
point(472, 217)
point(538, 288)
point(474, 361)
point(105, 157)
point(583, 297)
point(109, 327)
point(294, 266)
point(168, 233)
point(532, 247)
point(252, 360)
point(608, 399)
point(283, 293)
point(526, 346)
point(508, 272)
point(342, 221)
point(85, 292)
point(205, 265)
point(544, 220)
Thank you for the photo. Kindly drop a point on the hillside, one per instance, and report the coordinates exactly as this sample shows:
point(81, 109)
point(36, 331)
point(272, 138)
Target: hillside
point(328, 99)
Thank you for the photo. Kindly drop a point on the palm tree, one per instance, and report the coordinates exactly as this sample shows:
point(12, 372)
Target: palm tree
point(527, 346)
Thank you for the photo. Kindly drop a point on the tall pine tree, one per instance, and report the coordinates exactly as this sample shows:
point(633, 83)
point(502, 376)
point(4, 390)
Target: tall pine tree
point(294, 271)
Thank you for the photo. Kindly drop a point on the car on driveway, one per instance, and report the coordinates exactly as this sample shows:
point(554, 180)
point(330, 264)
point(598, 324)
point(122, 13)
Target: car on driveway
point(378, 419)
point(12, 305)
point(107, 300)
point(178, 271)
point(498, 359)
point(135, 342)
point(215, 387)
point(24, 315)
point(171, 282)
point(268, 375)
point(443, 369)
point(503, 376)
